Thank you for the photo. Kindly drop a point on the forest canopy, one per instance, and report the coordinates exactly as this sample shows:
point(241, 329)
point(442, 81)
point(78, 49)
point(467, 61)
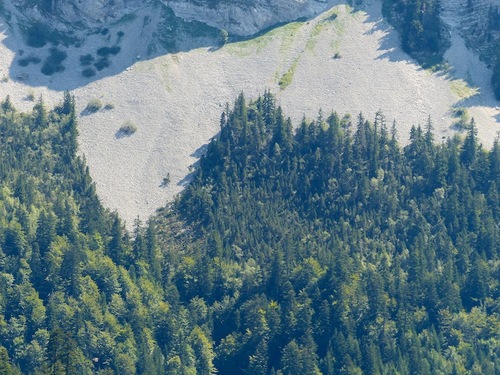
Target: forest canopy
point(322, 249)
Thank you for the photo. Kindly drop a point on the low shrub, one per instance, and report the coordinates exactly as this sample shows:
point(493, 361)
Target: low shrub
point(31, 96)
point(37, 35)
point(106, 51)
point(88, 72)
point(166, 181)
point(126, 130)
point(29, 60)
point(102, 63)
point(93, 106)
point(53, 63)
point(87, 59)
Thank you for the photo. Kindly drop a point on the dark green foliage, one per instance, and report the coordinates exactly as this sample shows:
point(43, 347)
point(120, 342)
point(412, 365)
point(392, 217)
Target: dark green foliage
point(172, 29)
point(86, 60)
point(335, 250)
point(88, 72)
point(420, 26)
point(29, 60)
point(37, 35)
point(65, 306)
point(326, 250)
point(106, 51)
point(53, 63)
point(102, 63)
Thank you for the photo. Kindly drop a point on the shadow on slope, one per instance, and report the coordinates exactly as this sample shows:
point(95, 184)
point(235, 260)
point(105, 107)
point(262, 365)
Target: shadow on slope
point(66, 61)
point(390, 40)
point(470, 93)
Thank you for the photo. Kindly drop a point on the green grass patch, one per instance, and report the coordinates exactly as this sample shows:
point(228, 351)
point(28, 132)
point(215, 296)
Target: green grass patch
point(93, 106)
point(287, 78)
point(257, 44)
point(463, 118)
point(289, 34)
point(460, 88)
point(31, 95)
point(311, 43)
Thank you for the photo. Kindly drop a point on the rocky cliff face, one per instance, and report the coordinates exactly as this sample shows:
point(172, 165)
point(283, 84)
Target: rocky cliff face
point(82, 12)
point(246, 17)
point(240, 17)
point(478, 22)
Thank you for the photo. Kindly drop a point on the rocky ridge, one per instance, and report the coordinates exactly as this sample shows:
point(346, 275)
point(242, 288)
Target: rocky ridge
point(241, 18)
point(246, 17)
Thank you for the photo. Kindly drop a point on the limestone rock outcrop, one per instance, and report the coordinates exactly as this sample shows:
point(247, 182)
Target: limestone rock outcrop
point(239, 17)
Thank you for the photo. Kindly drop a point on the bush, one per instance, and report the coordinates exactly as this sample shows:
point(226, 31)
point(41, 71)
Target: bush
point(31, 96)
point(106, 51)
point(223, 37)
point(93, 106)
point(37, 35)
point(88, 72)
point(52, 63)
point(109, 107)
point(28, 60)
point(102, 63)
point(126, 130)
point(462, 115)
point(49, 69)
point(166, 181)
point(87, 59)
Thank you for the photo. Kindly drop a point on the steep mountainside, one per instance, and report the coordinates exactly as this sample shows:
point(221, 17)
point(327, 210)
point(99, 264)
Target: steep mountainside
point(326, 250)
point(85, 13)
point(247, 17)
point(238, 17)
point(170, 78)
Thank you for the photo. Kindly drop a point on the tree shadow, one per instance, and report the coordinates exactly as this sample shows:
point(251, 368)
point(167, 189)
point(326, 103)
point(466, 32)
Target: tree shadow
point(63, 62)
point(389, 41)
point(94, 54)
point(390, 49)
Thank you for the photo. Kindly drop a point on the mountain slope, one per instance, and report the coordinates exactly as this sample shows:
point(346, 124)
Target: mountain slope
point(333, 250)
point(175, 99)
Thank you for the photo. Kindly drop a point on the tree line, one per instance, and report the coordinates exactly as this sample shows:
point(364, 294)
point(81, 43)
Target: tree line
point(328, 248)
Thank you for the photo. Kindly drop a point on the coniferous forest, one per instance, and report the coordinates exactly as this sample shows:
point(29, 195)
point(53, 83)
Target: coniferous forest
point(328, 248)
